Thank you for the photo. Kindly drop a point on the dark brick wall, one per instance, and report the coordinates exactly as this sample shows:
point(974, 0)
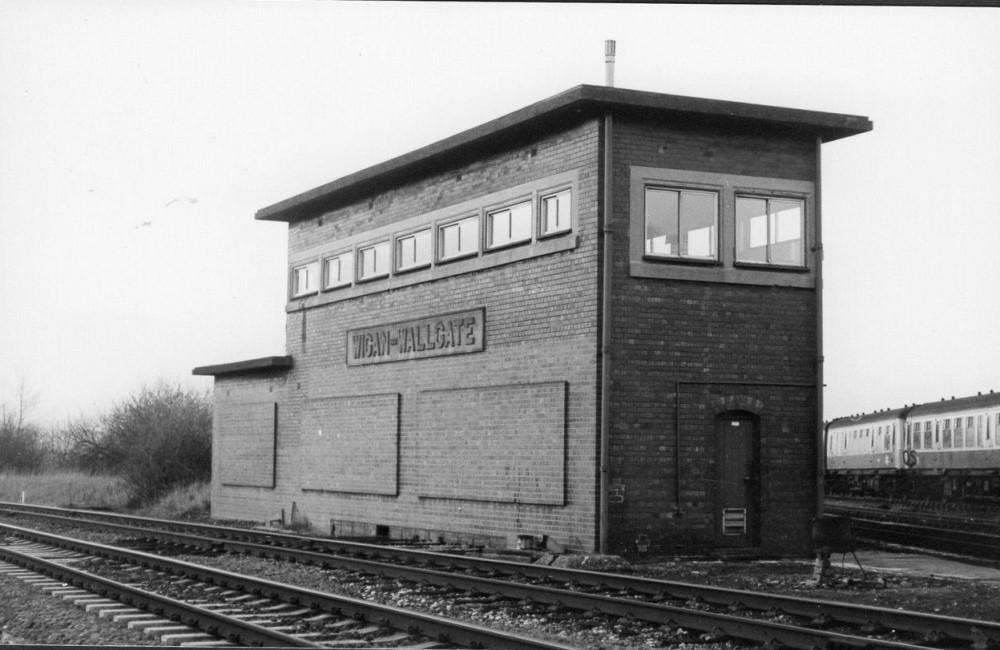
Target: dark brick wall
point(670, 331)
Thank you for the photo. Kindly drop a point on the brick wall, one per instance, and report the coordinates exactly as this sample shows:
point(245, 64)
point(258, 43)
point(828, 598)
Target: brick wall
point(669, 331)
point(540, 330)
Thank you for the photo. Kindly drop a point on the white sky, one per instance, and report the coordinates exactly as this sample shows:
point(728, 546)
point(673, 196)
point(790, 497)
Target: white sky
point(115, 114)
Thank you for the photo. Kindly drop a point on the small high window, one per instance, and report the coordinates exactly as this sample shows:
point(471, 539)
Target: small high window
point(374, 261)
point(555, 211)
point(413, 251)
point(339, 270)
point(769, 231)
point(304, 278)
point(510, 225)
point(681, 224)
point(459, 238)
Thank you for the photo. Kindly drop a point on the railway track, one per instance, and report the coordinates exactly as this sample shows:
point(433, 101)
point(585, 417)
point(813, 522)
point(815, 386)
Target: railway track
point(952, 535)
point(764, 619)
point(236, 608)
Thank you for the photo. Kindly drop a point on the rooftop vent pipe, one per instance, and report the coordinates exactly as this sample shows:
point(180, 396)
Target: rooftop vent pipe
point(609, 63)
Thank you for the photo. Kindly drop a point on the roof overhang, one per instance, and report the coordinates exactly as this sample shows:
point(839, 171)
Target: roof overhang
point(551, 113)
point(250, 366)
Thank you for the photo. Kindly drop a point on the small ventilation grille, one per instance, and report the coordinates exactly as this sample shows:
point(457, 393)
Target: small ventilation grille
point(734, 521)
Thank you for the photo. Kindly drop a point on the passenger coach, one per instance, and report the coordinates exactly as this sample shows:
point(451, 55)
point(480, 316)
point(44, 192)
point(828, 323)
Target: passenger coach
point(591, 324)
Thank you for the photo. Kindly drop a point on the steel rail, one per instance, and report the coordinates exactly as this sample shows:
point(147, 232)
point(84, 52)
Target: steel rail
point(931, 625)
point(203, 619)
point(934, 625)
point(434, 627)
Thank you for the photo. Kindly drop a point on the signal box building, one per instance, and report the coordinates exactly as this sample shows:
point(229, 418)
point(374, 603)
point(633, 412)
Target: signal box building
point(593, 322)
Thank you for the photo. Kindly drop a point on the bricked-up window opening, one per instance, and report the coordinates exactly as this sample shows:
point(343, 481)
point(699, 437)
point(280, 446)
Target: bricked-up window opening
point(374, 261)
point(555, 213)
point(511, 225)
point(770, 231)
point(414, 251)
point(681, 224)
point(458, 239)
point(304, 279)
point(339, 270)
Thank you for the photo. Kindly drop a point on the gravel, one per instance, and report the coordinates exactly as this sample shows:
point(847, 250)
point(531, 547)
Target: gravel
point(27, 614)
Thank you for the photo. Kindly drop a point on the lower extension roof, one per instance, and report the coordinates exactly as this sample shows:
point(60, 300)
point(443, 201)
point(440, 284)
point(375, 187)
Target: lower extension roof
point(547, 115)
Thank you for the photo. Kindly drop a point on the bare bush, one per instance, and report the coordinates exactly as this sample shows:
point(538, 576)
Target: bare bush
point(157, 439)
point(21, 446)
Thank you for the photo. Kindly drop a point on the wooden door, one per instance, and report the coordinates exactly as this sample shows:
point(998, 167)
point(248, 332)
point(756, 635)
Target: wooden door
point(738, 473)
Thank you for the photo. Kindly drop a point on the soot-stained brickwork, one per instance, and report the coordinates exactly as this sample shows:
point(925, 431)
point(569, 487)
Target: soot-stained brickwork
point(460, 396)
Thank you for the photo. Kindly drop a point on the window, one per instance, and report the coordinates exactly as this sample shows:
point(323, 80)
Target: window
point(555, 213)
point(509, 225)
point(459, 238)
point(916, 436)
point(414, 250)
point(304, 279)
point(946, 435)
point(339, 270)
point(769, 231)
point(373, 261)
point(681, 224)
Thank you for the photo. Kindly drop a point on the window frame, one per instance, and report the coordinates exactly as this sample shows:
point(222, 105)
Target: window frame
point(508, 206)
point(327, 285)
point(461, 254)
point(398, 264)
point(312, 269)
point(359, 261)
point(543, 212)
point(715, 229)
point(768, 198)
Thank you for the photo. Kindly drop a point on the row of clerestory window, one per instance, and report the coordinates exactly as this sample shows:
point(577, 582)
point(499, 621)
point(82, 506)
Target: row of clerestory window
point(506, 226)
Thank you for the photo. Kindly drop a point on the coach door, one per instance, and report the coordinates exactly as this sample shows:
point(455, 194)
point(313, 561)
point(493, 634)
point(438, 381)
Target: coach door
point(738, 475)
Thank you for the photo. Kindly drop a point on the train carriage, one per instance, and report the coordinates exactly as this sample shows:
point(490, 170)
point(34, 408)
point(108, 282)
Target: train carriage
point(946, 450)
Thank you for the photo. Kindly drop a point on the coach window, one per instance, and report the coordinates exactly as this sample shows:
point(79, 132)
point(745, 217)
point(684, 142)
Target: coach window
point(458, 239)
point(510, 225)
point(373, 261)
point(304, 279)
point(770, 231)
point(555, 213)
point(413, 251)
point(338, 270)
point(930, 439)
point(681, 224)
point(946, 434)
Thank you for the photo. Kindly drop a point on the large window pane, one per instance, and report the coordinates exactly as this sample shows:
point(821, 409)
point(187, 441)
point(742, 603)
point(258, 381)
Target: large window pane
point(681, 223)
point(770, 231)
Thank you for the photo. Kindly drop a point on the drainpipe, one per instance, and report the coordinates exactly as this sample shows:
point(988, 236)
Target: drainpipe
point(818, 262)
point(606, 213)
point(607, 207)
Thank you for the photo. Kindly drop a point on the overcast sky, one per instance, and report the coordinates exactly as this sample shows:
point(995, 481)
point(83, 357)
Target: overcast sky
point(138, 139)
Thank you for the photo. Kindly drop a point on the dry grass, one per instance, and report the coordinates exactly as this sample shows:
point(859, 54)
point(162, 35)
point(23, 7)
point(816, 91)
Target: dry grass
point(188, 502)
point(64, 489)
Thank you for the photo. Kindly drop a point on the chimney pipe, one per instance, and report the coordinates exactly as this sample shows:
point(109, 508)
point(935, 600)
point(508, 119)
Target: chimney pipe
point(609, 63)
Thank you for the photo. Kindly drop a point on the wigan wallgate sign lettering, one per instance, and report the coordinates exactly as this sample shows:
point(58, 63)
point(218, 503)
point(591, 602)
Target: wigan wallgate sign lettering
point(435, 336)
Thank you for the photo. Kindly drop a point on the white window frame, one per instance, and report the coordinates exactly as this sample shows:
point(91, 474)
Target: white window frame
point(564, 223)
point(770, 226)
point(713, 230)
point(304, 279)
point(507, 212)
point(382, 250)
point(345, 263)
point(468, 242)
point(408, 265)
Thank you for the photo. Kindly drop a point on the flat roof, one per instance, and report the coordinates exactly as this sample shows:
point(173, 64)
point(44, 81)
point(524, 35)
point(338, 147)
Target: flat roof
point(262, 364)
point(549, 114)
